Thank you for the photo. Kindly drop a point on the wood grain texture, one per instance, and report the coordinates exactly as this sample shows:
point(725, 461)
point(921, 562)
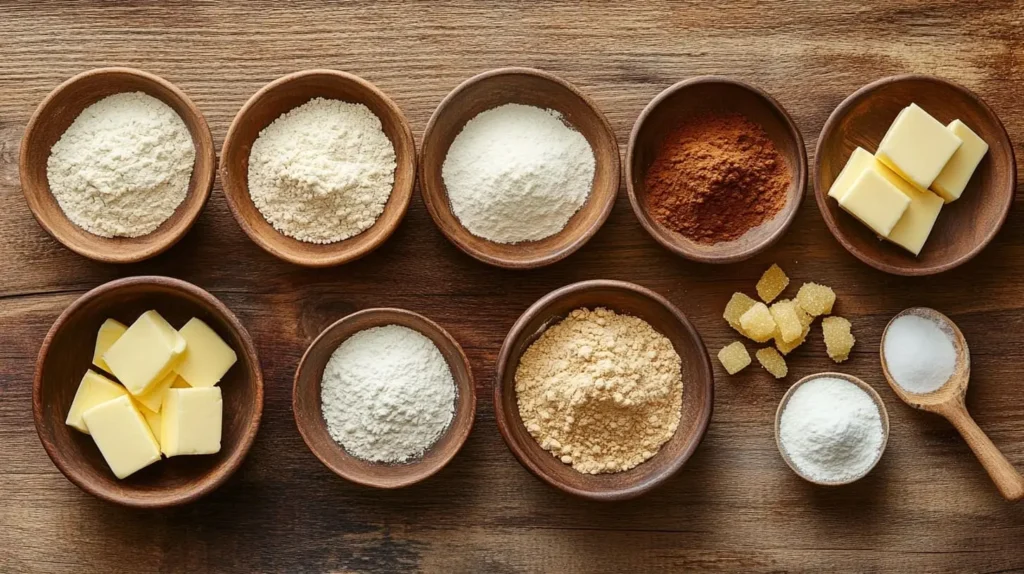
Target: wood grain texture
point(928, 506)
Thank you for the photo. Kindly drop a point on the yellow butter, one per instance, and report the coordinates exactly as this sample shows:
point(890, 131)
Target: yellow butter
point(154, 397)
point(145, 353)
point(93, 390)
point(191, 421)
point(917, 146)
point(954, 176)
point(860, 160)
point(153, 421)
point(180, 383)
point(110, 331)
point(913, 229)
point(122, 435)
point(208, 357)
point(875, 201)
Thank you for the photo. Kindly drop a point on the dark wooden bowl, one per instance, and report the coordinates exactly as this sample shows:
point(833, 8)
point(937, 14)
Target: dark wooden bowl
point(67, 353)
point(267, 105)
point(874, 397)
point(699, 95)
point(55, 115)
point(535, 88)
point(309, 415)
point(965, 226)
point(698, 388)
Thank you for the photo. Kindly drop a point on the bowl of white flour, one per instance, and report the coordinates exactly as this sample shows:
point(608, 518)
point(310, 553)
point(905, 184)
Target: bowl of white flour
point(117, 164)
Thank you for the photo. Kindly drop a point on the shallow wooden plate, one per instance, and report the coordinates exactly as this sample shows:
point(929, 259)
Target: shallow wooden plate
point(965, 226)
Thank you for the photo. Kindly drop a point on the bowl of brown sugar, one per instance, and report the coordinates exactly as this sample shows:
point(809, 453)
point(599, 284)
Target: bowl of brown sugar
point(715, 169)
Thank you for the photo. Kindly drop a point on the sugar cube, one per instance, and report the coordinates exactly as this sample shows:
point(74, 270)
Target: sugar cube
point(735, 308)
point(838, 338)
point(734, 357)
point(816, 299)
point(772, 283)
point(787, 320)
point(757, 323)
point(772, 362)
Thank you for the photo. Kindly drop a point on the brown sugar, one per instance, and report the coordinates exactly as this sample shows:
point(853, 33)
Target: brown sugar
point(715, 177)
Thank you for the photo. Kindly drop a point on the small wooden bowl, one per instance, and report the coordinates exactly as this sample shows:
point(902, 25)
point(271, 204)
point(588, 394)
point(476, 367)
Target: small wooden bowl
point(874, 397)
point(285, 94)
point(55, 115)
point(698, 388)
point(309, 414)
point(965, 226)
point(535, 88)
point(67, 353)
point(699, 95)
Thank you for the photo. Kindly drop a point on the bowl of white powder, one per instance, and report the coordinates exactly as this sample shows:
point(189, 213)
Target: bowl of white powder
point(384, 397)
point(519, 168)
point(117, 164)
point(318, 167)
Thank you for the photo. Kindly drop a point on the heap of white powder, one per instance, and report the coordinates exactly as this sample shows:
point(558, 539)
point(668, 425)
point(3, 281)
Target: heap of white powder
point(919, 353)
point(832, 430)
point(123, 166)
point(387, 394)
point(322, 172)
point(517, 173)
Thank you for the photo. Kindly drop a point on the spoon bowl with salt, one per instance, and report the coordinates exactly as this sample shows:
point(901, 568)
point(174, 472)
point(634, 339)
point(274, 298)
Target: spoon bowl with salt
point(927, 363)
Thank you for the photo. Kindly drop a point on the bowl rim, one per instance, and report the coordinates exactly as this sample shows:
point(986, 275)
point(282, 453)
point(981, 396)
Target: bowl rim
point(402, 196)
point(547, 258)
point(820, 194)
point(204, 147)
point(800, 178)
point(871, 392)
point(506, 420)
point(459, 439)
point(219, 474)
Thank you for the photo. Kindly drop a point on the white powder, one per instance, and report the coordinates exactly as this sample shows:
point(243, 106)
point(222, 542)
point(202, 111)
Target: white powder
point(322, 172)
point(123, 166)
point(517, 173)
point(920, 353)
point(831, 429)
point(387, 394)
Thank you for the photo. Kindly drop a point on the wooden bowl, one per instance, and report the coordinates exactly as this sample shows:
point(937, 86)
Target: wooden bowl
point(55, 115)
point(965, 226)
point(874, 397)
point(700, 95)
point(535, 88)
point(66, 354)
point(267, 105)
point(698, 389)
point(309, 415)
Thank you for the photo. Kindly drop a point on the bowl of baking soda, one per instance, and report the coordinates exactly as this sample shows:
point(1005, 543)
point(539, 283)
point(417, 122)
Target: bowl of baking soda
point(831, 428)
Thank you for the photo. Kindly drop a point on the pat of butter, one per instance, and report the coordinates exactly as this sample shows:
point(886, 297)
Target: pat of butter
point(953, 178)
point(860, 160)
point(153, 420)
point(915, 226)
point(110, 331)
point(208, 357)
point(146, 353)
point(93, 390)
point(191, 421)
point(875, 201)
point(917, 146)
point(154, 397)
point(122, 435)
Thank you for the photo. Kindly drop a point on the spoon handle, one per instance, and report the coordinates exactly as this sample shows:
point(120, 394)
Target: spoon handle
point(1009, 482)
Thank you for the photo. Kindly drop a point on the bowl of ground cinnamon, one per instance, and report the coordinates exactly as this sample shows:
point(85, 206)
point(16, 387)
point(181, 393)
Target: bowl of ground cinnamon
point(715, 169)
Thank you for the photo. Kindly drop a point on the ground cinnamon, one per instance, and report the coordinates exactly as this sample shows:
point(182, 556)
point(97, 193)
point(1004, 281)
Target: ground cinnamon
point(715, 177)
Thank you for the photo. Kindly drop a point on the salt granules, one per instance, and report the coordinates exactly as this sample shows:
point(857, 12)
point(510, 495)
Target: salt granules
point(919, 353)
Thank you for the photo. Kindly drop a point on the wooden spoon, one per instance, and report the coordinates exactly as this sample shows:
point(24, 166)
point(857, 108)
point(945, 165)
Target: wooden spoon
point(948, 401)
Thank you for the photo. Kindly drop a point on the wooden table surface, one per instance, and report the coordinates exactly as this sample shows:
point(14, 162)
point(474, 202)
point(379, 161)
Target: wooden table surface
point(734, 506)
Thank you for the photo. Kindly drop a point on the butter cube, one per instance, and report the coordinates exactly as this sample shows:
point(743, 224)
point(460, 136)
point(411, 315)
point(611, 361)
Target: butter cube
point(191, 421)
point(154, 397)
point(208, 357)
point(917, 146)
point(122, 435)
point(146, 353)
point(93, 390)
point(875, 201)
point(153, 420)
point(758, 323)
point(958, 171)
point(917, 222)
point(860, 160)
point(110, 331)
point(786, 319)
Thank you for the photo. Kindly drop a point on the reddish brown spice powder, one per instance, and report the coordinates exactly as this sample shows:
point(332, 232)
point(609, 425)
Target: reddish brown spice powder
point(715, 177)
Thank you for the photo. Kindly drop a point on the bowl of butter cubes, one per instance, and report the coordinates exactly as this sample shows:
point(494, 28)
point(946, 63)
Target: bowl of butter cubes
point(148, 392)
point(914, 175)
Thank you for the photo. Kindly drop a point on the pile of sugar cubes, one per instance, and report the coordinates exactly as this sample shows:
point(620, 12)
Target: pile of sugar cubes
point(919, 166)
point(786, 322)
